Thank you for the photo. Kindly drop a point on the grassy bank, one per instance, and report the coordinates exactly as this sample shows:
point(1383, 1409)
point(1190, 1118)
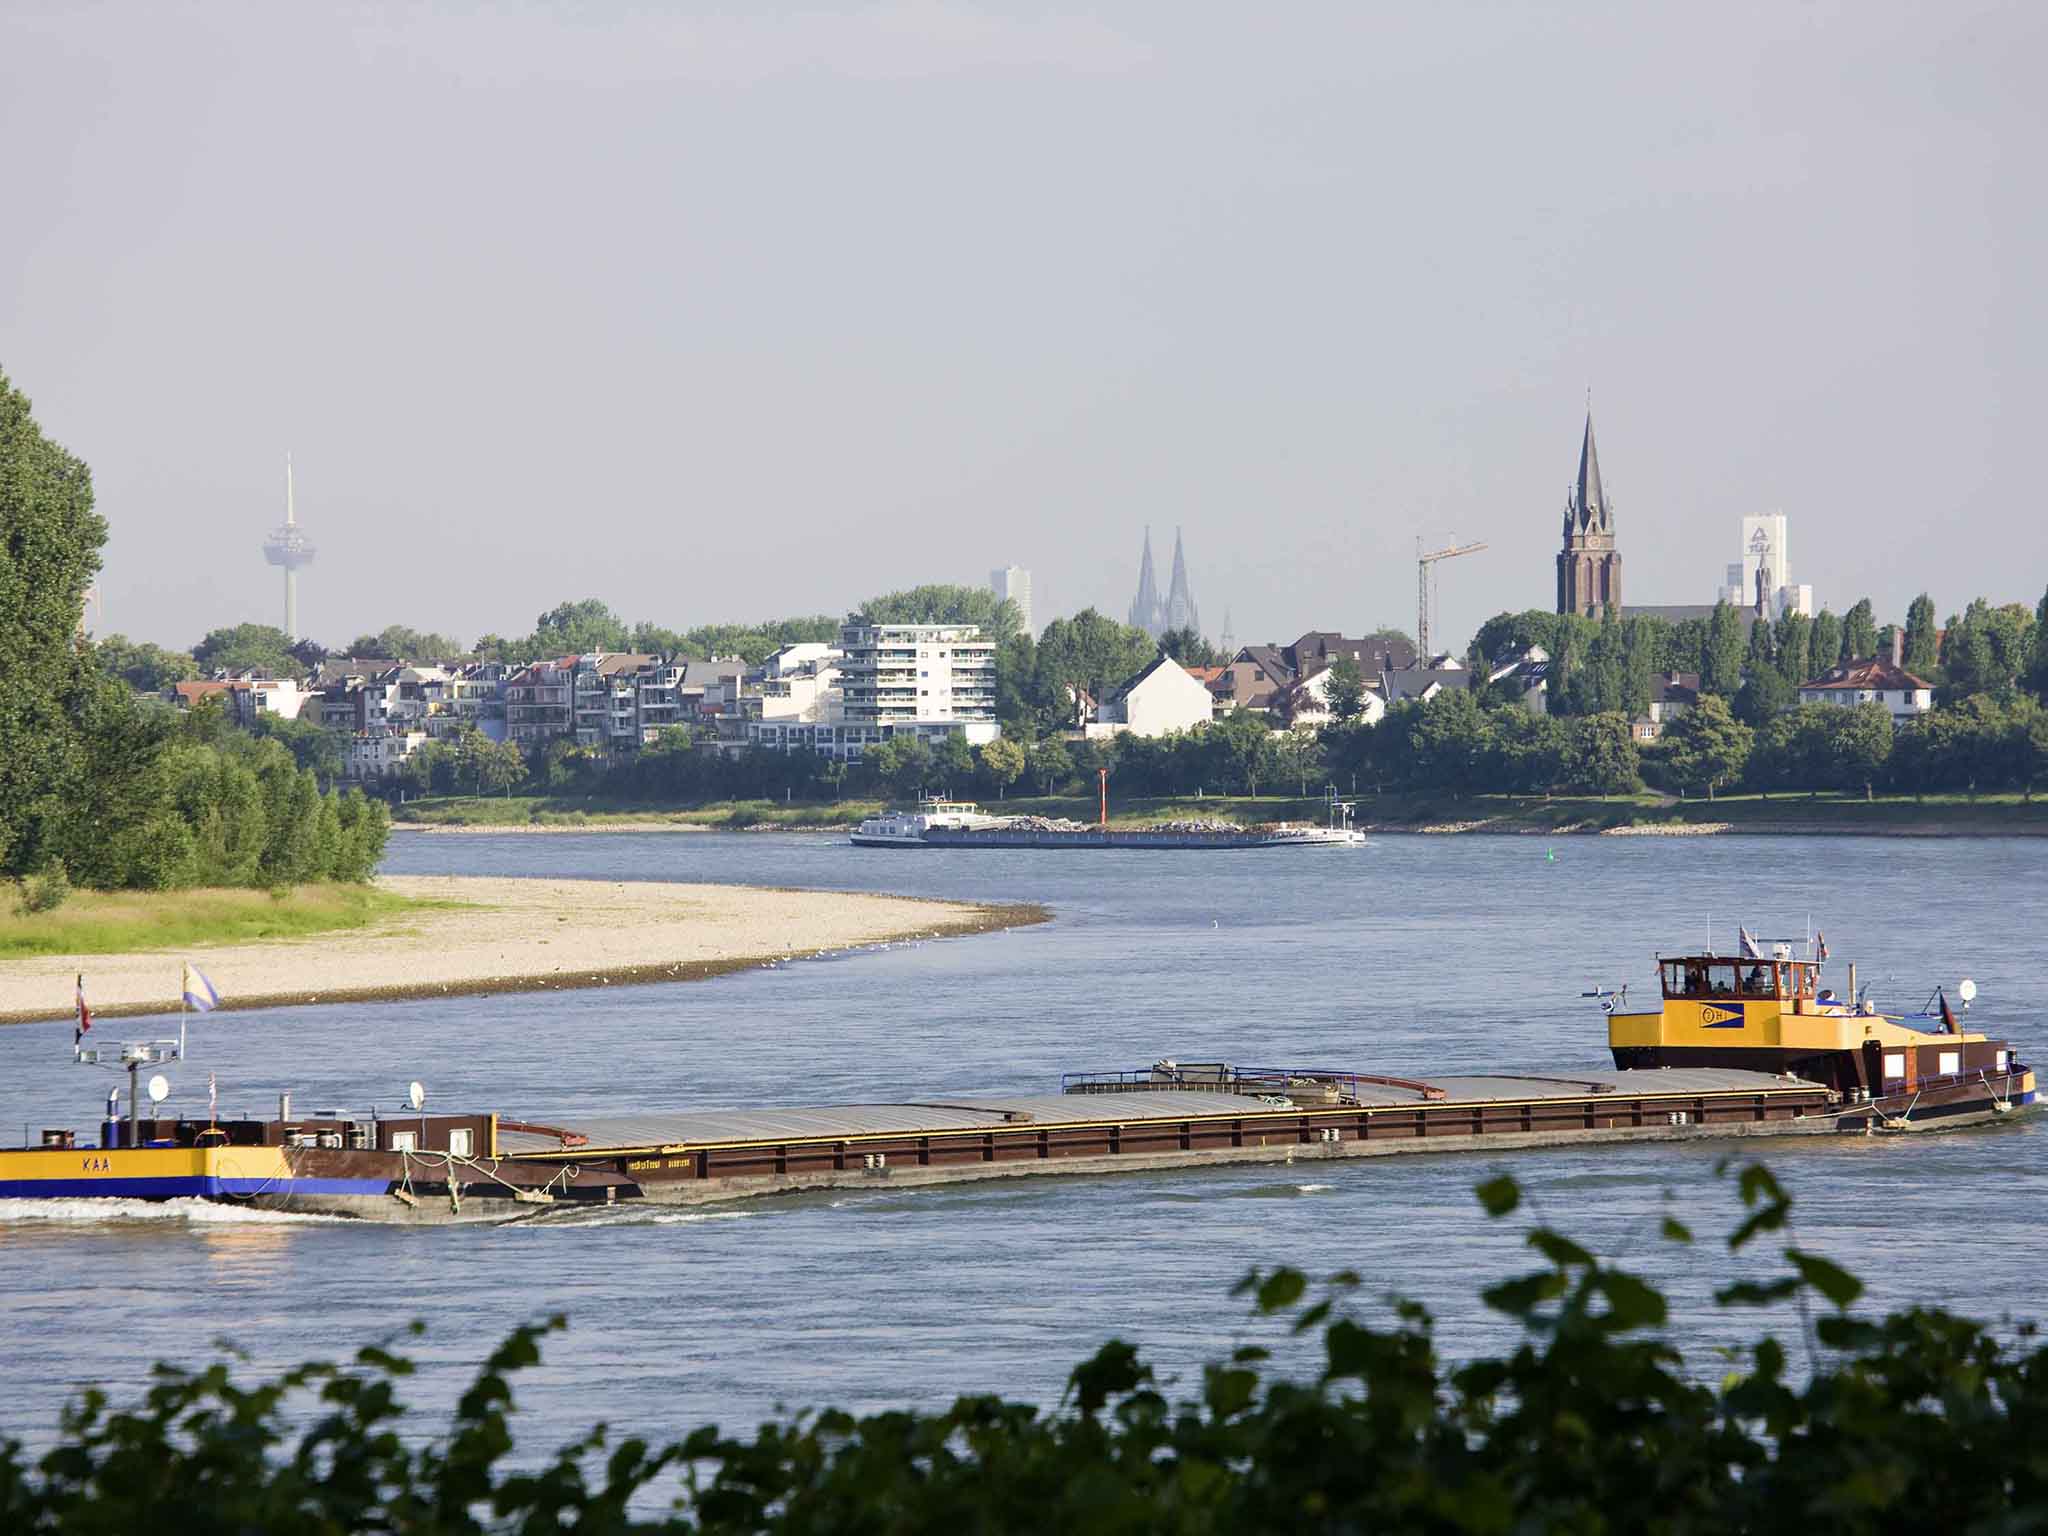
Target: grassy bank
point(569, 812)
point(1827, 814)
point(128, 922)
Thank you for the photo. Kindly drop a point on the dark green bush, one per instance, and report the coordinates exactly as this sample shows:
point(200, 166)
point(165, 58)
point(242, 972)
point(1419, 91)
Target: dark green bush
point(1593, 1423)
point(43, 892)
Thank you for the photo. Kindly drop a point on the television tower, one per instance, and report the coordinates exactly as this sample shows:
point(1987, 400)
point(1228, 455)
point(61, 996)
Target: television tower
point(287, 547)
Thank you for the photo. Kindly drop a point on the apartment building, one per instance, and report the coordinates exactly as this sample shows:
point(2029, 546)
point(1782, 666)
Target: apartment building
point(926, 675)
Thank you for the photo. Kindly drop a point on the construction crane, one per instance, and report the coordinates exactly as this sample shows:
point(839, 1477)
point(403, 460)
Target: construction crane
point(1422, 564)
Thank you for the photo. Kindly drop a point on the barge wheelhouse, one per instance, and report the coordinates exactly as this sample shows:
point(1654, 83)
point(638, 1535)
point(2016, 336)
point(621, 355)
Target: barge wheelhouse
point(1773, 1013)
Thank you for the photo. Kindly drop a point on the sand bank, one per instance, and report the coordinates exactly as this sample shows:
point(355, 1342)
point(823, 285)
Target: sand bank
point(508, 935)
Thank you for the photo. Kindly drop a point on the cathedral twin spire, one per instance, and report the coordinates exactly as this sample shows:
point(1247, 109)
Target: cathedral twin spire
point(1177, 611)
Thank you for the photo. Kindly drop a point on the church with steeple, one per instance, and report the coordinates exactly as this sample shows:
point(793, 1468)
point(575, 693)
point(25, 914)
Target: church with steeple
point(1589, 566)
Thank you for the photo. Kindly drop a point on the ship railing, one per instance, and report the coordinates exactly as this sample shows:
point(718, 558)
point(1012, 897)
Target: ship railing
point(1333, 1085)
point(1990, 1077)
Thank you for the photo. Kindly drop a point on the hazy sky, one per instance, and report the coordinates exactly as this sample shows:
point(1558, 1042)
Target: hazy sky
point(727, 313)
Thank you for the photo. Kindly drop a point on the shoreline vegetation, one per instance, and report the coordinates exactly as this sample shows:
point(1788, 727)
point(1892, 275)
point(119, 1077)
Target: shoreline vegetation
point(445, 936)
point(1816, 815)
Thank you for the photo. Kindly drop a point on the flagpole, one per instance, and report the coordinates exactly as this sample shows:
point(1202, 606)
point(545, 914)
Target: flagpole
point(181, 1015)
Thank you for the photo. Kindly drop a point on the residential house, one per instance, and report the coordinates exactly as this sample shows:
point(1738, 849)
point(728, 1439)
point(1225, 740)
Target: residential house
point(1422, 683)
point(1874, 680)
point(1671, 695)
point(379, 755)
point(1526, 674)
point(1308, 701)
point(538, 701)
point(1164, 697)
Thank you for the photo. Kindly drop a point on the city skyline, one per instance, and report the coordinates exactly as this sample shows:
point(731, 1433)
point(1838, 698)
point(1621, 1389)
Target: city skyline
point(1202, 324)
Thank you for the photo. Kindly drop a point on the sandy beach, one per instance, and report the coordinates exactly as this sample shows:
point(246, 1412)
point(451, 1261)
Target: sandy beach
point(508, 935)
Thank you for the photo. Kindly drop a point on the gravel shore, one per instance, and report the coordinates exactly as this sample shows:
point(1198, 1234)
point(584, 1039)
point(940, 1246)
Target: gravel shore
point(507, 935)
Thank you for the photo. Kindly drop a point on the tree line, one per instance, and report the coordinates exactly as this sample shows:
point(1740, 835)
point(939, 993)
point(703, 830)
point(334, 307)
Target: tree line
point(100, 788)
point(1602, 1415)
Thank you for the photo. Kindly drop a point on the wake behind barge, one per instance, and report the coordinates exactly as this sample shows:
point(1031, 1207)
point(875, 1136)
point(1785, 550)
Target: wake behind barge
point(1839, 1067)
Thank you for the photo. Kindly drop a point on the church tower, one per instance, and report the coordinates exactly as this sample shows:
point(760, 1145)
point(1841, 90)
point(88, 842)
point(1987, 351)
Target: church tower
point(1589, 566)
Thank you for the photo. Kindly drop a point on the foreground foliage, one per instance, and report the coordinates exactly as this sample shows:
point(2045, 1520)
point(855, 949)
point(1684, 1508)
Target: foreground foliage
point(1921, 1421)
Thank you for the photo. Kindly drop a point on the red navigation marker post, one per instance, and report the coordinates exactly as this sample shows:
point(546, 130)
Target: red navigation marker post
point(1102, 775)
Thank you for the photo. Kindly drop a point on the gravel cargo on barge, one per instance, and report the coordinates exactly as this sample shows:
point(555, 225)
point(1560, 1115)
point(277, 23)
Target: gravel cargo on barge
point(1784, 1057)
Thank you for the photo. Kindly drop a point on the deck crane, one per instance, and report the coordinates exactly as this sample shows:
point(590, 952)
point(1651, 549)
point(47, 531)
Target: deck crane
point(1422, 564)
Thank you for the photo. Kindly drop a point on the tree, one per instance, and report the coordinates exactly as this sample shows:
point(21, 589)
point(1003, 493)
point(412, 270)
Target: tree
point(1722, 672)
point(1861, 744)
point(1922, 649)
point(1969, 662)
point(1189, 648)
point(579, 629)
point(954, 763)
point(50, 540)
point(2037, 664)
point(1297, 756)
point(1859, 632)
point(312, 745)
point(1344, 690)
point(1240, 746)
point(1793, 643)
point(1050, 764)
point(1450, 742)
point(751, 643)
point(260, 648)
point(1002, 764)
point(499, 765)
point(144, 667)
point(1087, 654)
point(399, 642)
point(1826, 645)
point(1601, 756)
point(1707, 746)
point(2032, 751)
point(1764, 694)
point(997, 616)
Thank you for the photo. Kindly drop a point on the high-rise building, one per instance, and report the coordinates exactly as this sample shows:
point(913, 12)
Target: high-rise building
point(1014, 583)
point(1589, 566)
point(287, 547)
point(1154, 614)
point(1761, 580)
point(932, 675)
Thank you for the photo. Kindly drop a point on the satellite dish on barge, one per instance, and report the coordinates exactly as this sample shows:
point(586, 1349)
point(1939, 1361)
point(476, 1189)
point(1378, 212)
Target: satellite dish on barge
point(159, 1088)
point(1967, 991)
point(416, 1093)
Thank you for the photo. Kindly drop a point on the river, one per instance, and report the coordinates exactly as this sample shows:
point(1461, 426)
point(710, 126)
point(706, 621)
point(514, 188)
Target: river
point(1412, 955)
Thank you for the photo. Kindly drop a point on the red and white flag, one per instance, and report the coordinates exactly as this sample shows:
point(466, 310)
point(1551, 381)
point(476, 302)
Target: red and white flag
point(84, 1016)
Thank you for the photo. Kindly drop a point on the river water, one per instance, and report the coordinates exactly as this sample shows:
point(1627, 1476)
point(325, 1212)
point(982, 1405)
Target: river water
point(1412, 955)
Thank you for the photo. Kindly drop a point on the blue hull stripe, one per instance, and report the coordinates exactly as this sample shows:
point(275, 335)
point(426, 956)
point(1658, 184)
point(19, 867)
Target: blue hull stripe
point(186, 1187)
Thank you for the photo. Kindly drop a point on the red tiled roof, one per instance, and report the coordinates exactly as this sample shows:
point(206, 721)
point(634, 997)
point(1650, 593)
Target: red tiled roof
point(1872, 673)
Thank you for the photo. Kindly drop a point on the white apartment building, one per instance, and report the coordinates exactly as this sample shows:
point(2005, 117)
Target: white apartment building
point(380, 754)
point(1014, 582)
point(938, 679)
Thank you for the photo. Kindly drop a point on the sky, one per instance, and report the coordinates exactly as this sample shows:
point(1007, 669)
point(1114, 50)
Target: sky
point(724, 313)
